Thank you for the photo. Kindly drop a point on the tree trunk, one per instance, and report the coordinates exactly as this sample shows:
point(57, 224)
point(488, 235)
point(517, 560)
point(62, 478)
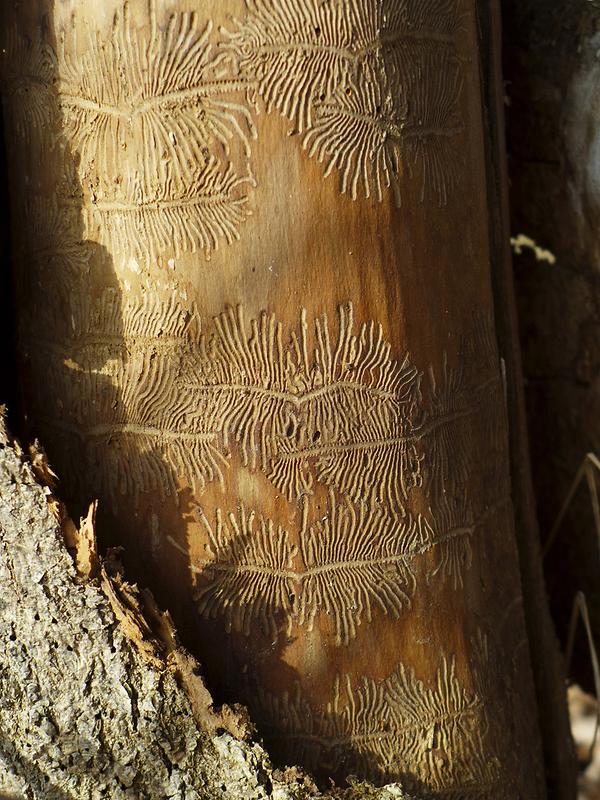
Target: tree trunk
point(552, 72)
point(253, 251)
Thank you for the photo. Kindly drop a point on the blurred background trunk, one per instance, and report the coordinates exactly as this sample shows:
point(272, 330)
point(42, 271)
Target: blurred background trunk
point(552, 74)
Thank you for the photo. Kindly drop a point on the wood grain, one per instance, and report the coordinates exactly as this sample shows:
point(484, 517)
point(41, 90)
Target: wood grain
point(251, 248)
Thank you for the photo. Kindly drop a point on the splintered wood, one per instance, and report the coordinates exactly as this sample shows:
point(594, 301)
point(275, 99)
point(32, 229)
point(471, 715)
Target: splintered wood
point(253, 266)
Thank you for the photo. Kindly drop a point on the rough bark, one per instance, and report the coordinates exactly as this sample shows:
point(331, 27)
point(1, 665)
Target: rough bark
point(90, 709)
point(329, 518)
point(553, 89)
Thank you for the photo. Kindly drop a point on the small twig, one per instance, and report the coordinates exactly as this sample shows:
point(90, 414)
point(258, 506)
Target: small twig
point(589, 465)
point(580, 609)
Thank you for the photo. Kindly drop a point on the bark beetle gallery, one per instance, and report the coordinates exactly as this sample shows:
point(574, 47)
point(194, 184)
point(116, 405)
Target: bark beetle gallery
point(252, 262)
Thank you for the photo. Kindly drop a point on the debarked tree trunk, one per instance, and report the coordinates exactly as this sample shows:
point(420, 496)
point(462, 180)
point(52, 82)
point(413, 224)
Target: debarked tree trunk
point(253, 247)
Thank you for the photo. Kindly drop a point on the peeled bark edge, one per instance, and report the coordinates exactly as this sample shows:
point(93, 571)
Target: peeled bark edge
point(93, 709)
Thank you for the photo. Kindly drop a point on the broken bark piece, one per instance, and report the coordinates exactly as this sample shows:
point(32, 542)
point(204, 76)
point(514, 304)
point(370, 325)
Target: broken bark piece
point(81, 541)
point(235, 720)
point(41, 466)
point(86, 561)
point(124, 602)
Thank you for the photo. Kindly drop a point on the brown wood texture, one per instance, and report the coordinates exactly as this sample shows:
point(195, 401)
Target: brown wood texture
point(252, 259)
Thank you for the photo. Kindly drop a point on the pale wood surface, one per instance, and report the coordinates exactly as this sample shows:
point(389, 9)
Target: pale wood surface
point(408, 458)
